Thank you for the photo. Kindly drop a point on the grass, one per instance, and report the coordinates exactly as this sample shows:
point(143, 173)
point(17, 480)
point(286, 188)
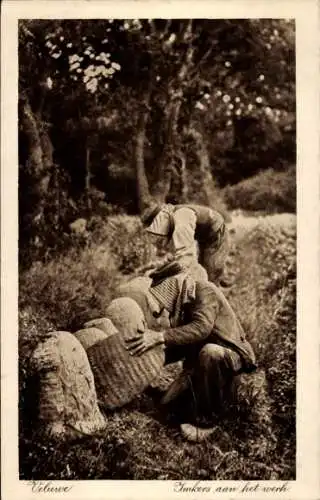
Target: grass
point(142, 441)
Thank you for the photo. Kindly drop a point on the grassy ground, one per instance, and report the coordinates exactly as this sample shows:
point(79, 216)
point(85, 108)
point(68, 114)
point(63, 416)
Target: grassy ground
point(257, 439)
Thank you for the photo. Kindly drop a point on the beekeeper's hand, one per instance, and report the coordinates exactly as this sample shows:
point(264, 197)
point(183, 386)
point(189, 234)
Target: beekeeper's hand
point(141, 343)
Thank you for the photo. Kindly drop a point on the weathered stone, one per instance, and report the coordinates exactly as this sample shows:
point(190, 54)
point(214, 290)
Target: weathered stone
point(68, 405)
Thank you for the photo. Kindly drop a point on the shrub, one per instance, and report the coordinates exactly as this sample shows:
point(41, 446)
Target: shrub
point(126, 239)
point(264, 296)
point(71, 289)
point(269, 191)
point(78, 285)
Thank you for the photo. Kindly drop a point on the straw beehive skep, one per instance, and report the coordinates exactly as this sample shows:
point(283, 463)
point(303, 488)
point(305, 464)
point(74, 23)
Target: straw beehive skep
point(90, 336)
point(68, 404)
point(137, 289)
point(127, 316)
point(119, 377)
point(104, 324)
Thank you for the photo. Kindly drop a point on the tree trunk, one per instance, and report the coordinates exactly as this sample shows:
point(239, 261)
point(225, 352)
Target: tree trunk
point(179, 186)
point(183, 177)
point(39, 162)
point(47, 159)
point(30, 128)
point(163, 182)
point(141, 177)
point(88, 177)
point(203, 163)
point(162, 186)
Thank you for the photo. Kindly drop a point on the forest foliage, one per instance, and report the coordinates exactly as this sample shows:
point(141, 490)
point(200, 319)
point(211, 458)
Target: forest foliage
point(113, 112)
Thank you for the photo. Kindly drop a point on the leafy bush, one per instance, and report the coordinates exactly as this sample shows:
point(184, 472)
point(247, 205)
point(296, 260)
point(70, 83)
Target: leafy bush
point(71, 289)
point(127, 240)
point(264, 296)
point(269, 191)
point(77, 286)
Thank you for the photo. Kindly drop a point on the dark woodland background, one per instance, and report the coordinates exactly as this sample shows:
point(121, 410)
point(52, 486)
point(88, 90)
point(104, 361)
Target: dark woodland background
point(114, 111)
point(109, 109)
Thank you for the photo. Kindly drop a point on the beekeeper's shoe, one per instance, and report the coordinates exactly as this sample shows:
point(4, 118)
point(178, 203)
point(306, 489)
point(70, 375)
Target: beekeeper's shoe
point(196, 434)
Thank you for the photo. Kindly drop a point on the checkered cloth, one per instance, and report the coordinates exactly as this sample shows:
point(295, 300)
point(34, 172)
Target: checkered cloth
point(173, 293)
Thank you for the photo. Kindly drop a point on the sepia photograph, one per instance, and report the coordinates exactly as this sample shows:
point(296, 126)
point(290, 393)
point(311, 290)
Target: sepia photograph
point(159, 253)
point(157, 249)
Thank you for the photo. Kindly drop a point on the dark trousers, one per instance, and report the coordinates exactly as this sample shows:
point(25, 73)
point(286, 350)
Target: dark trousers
point(212, 256)
point(210, 373)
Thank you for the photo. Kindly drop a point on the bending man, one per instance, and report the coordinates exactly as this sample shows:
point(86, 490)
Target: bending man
point(205, 333)
point(185, 226)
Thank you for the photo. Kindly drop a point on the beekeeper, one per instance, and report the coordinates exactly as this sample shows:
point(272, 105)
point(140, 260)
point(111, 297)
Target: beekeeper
point(205, 333)
point(196, 233)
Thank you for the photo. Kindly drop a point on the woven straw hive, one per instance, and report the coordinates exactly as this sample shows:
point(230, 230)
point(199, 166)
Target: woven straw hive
point(119, 377)
point(104, 324)
point(94, 331)
point(89, 336)
point(68, 405)
point(137, 289)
